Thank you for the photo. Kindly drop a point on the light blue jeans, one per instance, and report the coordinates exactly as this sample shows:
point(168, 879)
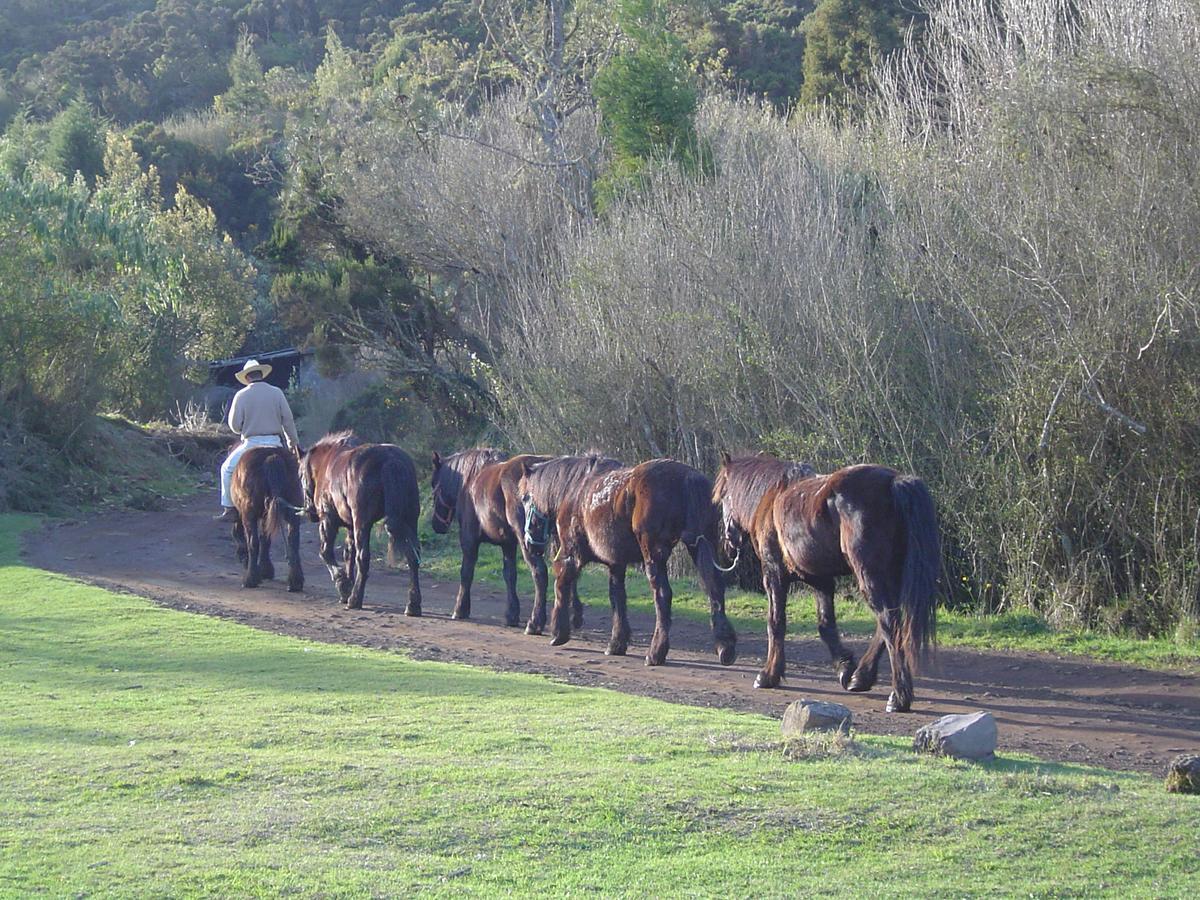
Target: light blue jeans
point(231, 461)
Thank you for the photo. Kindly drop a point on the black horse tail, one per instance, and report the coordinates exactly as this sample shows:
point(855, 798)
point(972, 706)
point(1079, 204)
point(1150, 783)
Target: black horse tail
point(922, 562)
point(700, 513)
point(401, 507)
point(280, 485)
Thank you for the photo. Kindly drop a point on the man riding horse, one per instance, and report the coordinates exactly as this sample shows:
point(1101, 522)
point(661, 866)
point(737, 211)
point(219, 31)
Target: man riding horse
point(260, 414)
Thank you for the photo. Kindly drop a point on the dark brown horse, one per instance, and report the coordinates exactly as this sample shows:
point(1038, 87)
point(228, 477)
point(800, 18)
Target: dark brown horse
point(559, 479)
point(479, 486)
point(637, 515)
point(866, 521)
point(353, 485)
point(267, 494)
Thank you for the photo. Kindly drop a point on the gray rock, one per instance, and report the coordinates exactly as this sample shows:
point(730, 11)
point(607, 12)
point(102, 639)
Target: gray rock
point(815, 715)
point(971, 736)
point(1183, 774)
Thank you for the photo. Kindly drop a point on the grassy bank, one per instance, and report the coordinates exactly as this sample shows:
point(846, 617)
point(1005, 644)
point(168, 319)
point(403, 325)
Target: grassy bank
point(153, 752)
point(748, 612)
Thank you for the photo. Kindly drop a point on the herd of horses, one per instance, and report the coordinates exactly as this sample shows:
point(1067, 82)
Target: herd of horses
point(868, 521)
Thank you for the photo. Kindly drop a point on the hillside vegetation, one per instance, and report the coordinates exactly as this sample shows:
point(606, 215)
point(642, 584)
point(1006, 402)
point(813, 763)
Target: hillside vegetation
point(959, 239)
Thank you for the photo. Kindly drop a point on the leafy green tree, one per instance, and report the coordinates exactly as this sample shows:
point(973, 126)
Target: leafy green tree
point(647, 97)
point(75, 142)
point(844, 39)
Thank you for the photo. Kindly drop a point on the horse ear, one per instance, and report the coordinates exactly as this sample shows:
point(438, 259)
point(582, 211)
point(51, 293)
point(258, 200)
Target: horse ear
point(526, 467)
point(726, 459)
point(437, 460)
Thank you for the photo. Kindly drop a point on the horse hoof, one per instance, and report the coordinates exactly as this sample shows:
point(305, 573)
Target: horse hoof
point(250, 584)
point(512, 623)
point(577, 620)
point(268, 575)
point(894, 705)
point(656, 659)
point(413, 612)
point(859, 685)
point(533, 630)
point(763, 680)
point(726, 654)
point(460, 615)
point(615, 650)
point(295, 588)
point(559, 639)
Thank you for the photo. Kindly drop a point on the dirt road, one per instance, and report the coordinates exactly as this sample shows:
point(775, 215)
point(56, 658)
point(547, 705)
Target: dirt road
point(1065, 709)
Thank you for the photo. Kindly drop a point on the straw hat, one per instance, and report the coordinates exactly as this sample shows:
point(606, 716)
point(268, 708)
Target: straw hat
point(251, 366)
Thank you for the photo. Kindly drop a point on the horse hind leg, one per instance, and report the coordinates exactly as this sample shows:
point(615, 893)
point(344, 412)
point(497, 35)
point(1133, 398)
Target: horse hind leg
point(327, 530)
point(512, 612)
point(618, 643)
point(360, 559)
point(724, 637)
point(660, 643)
point(253, 576)
point(882, 600)
point(413, 559)
point(776, 586)
point(266, 568)
point(843, 660)
point(295, 570)
point(868, 667)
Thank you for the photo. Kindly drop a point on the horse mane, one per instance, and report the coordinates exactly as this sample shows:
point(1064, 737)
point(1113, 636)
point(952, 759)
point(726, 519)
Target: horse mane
point(743, 482)
point(555, 480)
point(467, 463)
point(338, 439)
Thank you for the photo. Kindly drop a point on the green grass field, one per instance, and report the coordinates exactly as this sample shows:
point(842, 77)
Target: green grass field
point(748, 612)
point(152, 752)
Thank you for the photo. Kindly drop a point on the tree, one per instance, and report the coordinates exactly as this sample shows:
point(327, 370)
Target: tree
point(844, 40)
point(75, 142)
point(647, 96)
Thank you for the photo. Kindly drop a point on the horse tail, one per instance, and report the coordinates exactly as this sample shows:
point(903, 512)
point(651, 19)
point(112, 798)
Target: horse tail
point(922, 562)
point(401, 507)
point(280, 487)
point(700, 513)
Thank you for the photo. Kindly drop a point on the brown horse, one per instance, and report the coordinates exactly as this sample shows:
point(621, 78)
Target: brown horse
point(869, 521)
point(637, 515)
point(559, 479)
point(267, 494)
point(479, 486)
point(353, 485)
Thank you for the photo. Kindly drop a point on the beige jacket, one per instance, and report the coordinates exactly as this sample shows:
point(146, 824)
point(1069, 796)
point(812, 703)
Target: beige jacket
point(260, 409)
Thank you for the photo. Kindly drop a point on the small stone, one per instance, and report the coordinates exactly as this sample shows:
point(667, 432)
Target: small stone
point(970, 736)
point(1183, 774)
point(815, 715)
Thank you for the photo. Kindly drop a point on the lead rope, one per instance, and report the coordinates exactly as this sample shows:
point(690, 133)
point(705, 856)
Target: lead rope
point(733, 565)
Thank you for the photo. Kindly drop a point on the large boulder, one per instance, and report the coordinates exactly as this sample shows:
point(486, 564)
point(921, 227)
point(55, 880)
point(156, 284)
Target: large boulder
point(815, 715)
point(1183, 774)
point(970, 736)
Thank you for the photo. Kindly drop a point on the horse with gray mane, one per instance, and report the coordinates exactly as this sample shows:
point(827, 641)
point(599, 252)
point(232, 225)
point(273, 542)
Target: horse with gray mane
point(626, 516)
point(869, 521)
point(558, 479)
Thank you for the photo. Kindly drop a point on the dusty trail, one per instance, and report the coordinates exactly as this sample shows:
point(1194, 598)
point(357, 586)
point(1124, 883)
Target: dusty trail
point(1065, 709)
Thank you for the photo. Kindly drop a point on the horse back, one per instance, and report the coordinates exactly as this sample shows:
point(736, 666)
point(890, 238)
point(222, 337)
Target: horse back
point(820, 522)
